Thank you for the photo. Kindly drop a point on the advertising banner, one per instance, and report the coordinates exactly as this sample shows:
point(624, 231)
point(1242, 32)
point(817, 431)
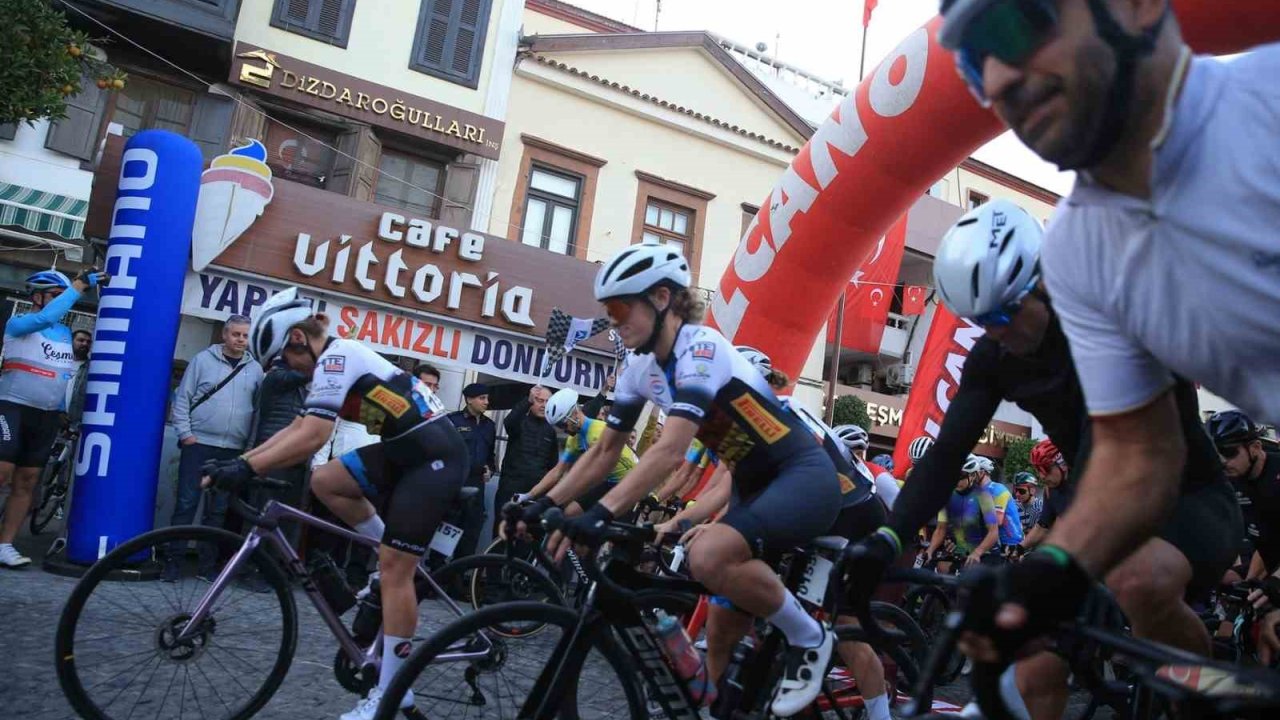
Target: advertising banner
point(138, 312)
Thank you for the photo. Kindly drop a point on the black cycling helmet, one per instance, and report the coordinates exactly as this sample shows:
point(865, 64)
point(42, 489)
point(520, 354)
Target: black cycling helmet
point(1231, 427)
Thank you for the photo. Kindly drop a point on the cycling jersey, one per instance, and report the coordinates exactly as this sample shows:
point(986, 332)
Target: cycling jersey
point(588, 435)
point(785, 490)
point(355, 383)
point(38, 359)
point(1262, 511)
point(857, 481)
point(699, 455)
point(968, 515)
point(1011, 521)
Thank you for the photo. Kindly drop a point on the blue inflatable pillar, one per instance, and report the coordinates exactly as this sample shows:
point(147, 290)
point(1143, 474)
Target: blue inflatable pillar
point(129, 371)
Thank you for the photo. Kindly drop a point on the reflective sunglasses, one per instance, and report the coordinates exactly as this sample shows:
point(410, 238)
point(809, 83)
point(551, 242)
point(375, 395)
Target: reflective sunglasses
point(619, 310)
point(1010, 31)
point(1002, 316)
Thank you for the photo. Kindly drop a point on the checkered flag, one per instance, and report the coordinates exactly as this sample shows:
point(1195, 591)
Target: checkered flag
point(564, 332)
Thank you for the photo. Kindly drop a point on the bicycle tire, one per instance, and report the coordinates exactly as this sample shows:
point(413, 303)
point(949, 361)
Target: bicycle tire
point(469, 625)
point(46, 506)
point(64, 640)
point(517, 581)
point(929, 606)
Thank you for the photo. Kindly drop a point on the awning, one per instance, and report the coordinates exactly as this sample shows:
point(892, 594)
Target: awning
point(42, 211)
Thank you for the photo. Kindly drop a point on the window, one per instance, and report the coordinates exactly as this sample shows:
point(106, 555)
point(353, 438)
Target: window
point(324, 20)
point(749, 213)
point(449, 42)
point(672, 213)
point(145, 104)
point(296, 156)
point(410, 182)
point(975, 199)
point(667, 224)
point(551, 210)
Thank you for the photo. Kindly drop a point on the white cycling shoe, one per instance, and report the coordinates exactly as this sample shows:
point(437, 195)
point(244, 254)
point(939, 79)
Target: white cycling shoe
point(11, 558)
point(802, 677)
point(368, 707)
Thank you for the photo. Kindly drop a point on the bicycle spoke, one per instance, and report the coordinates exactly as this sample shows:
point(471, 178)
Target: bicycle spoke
point(214, 688)
point(158, 660)
point(148, 651)
point(230, 674)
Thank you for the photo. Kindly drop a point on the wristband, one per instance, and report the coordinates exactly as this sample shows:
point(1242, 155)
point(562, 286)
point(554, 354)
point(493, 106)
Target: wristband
point(887, 533)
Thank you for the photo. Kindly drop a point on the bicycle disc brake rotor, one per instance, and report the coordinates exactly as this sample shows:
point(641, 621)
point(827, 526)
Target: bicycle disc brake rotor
point(188, 649)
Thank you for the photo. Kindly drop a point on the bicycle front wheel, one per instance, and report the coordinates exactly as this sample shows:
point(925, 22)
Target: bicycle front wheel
point(51, 496)
point(496, 681)
point(125, 648)
point(497, 579)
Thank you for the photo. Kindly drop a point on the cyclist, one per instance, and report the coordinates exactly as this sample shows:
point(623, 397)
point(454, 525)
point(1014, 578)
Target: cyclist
point(970, 521)
point(1026, 490)
point(1177, 158)
point(1056, 476)
point(855, 440)
point(786, 488)
point(564, 413)
point(1006, 509)
point(987, 271)
point(38, 363)
point(860, 514)
point(414, 473)
point(916, 452)
point(1255, 473)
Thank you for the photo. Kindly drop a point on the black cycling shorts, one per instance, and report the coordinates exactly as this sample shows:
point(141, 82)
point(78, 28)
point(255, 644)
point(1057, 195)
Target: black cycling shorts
point(27, 434)
point(798, 505)
point(413, 480)
point(1206, 528)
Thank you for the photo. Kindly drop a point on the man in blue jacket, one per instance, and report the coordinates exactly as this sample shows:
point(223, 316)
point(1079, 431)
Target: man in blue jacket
point(38, 363)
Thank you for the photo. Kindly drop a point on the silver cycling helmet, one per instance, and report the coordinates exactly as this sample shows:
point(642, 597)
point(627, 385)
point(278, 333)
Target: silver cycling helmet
point(919, 447)
point(269, 329)
point(561, 405)
point(853, 437)
point(989, 259)
point(638, 268)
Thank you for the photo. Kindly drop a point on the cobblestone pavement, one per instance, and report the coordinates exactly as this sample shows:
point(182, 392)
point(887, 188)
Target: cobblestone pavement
point(31, 601)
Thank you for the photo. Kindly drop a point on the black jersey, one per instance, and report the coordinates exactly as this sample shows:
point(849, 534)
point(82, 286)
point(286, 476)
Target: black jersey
point(355, 383)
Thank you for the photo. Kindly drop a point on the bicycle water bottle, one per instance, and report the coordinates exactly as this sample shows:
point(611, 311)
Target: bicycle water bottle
point(685, 659)
point(731, 682)
point(364, 628)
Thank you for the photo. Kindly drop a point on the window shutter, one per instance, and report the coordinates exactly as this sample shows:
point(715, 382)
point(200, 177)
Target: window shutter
point(211, 123)
point(450, 39)
point(296, 12)
point(459, 194)
point(464, 39)
point(330, 17)
point(436, 33)
point(343, 165)
point(324, 20)
point(365, 172)
point(77, 134)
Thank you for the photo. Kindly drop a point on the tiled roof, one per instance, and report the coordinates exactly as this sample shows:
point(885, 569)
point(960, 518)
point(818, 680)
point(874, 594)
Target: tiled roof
point(717, 122)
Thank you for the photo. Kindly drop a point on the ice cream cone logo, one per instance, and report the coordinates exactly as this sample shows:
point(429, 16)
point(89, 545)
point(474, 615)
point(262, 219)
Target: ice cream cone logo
point(233, 193)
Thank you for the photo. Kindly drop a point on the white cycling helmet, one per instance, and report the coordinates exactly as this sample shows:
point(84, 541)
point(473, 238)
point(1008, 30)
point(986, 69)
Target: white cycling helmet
point(986, 465)
point(758, 360)
point(972, 464)
point(638, 268)
point(853, 437)
point(560, 405)
point(919, 447)
point(269, 330)
point(988, 259)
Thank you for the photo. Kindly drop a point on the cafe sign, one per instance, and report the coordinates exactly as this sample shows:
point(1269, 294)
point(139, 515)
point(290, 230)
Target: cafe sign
point(379, 105)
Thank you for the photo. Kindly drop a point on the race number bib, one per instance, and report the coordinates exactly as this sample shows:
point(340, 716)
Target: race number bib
point(446, 539)
point(813, 587)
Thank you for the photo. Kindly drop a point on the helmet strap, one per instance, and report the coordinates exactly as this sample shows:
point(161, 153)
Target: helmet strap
point(659, 322)
point(1129, 50)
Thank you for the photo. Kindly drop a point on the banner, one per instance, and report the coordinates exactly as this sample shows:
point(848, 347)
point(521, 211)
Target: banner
point(864, 167)
point(128, 384)
point(215, 297)
point(937, 376)
point(867, 299)
point(913, 297)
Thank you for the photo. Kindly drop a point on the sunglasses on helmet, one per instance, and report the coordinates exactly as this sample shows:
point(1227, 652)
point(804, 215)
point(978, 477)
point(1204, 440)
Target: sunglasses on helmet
point(1003, 315)
point(1010, 31)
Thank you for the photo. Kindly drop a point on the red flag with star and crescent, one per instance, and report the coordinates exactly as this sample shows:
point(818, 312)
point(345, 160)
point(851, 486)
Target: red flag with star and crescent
point(870, 292)
point(913, 297)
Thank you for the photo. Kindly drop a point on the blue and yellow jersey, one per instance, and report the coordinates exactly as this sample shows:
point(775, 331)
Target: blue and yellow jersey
point(1011, 524)
point(968, 516)
point(588, 435)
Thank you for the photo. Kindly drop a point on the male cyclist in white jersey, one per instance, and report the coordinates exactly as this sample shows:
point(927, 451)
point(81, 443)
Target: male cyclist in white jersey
point(38, 363)
point(1161, 261)
point(786, 488)
point(414, 472)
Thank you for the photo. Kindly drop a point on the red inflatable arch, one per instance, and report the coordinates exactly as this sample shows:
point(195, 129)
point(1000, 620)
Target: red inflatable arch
point(907, 124)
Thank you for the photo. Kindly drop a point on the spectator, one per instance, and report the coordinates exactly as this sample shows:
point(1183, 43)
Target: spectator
point(531, 448)
point(38, 362)
point(429, 375)
point(81, 344)
point(480, 433)
point(279, 402)
point(597, 404)
point(213, 412)
point(347, 436)
point(605, 409)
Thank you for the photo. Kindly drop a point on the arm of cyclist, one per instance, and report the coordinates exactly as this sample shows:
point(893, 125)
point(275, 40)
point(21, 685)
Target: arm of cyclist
point(47, 316)
point(1035, 536)
point(596, 463)
point(934, 478)
point(549, 480)
point(1257, 567)
point(671, 488)
point(711, 501)
point(306, 435)
point(935, 542)
point(282, 436)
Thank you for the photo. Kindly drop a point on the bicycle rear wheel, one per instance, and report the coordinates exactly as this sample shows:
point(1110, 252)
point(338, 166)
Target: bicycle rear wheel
point(602, 686)
point(52, 495)
point(118, 652)
point(496, 579)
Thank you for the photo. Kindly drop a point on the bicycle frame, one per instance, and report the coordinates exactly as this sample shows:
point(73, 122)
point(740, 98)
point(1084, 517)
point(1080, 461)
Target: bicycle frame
point(267, 531)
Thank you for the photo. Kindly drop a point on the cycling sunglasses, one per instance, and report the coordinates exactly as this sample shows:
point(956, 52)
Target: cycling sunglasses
point(1002, 316)
point(1010, 31)
point(619, 309)
point(1229, 451)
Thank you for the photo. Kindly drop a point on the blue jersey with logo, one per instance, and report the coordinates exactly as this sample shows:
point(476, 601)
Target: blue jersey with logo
point(38, 360)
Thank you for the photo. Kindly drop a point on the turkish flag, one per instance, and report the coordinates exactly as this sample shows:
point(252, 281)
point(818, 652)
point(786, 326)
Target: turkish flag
point(913, 299)
point(868, 7)
point(868, 295)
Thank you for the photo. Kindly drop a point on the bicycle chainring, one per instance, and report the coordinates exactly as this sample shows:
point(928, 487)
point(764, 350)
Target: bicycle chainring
point(352, 678)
